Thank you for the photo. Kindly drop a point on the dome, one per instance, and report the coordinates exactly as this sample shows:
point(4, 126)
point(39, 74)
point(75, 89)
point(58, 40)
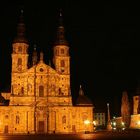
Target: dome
point(82, 99)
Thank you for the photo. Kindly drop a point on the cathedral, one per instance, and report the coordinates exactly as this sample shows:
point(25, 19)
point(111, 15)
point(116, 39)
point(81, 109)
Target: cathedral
point(40, 99)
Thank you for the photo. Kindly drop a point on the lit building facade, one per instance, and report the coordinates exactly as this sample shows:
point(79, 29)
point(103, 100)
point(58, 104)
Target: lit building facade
point(135, 104)
point(99, 118)
point(135, 118)
point(40, 99)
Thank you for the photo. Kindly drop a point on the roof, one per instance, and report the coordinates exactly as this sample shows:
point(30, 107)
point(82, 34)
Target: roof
point(83, 100)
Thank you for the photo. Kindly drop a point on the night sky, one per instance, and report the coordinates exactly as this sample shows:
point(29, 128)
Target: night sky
point(103, 39)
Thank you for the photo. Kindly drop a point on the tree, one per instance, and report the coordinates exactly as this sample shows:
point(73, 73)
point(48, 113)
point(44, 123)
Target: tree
point(125, 109)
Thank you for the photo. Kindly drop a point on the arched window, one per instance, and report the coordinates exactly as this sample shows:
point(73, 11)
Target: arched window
point(41, 91)
point(64, 119)
point(29, 88)
point(62, 63)
point(19, 61)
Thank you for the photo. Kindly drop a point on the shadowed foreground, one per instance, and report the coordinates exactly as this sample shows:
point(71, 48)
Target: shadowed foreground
point(102, 135)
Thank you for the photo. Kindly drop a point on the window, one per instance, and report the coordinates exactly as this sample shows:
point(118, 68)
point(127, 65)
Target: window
point(6, 116)
point(41, 91)
point(62, 51)
point(60, 92)
point(19, 61)
point(64, 119)
point(56, 52)
point(29, 87)
point(19, 49)
point(17, 119)
point(41, 70)
point(22, 90)
point(62, 63)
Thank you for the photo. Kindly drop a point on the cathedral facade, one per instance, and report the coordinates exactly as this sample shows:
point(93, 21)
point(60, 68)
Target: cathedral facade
point(40, 99)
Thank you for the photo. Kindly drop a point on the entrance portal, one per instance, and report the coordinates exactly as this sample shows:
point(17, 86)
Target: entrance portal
point(41, 126)
point(6, 129)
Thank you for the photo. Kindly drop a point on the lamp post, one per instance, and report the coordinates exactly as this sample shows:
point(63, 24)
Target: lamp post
point(108, 118)
point(94, 124)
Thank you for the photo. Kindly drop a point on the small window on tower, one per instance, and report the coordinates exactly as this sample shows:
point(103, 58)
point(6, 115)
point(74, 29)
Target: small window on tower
point(62, 63)
point(19, 62)
point(62, 51)
point(56, 52)
point(19, 49)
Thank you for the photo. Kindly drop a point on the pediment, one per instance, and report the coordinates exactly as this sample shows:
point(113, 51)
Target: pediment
point(42, 68)
point(45, 69)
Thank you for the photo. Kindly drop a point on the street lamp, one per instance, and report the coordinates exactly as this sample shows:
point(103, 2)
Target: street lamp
point(108, 118)
point(123, 125)
point(86, 122)
point(94, 124)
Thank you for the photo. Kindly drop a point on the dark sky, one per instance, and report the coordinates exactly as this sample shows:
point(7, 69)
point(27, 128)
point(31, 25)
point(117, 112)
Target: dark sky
point(103, 39)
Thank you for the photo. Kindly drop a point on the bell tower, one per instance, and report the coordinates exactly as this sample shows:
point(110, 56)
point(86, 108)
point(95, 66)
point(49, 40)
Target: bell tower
point(19, 62)
point(61, 50)
point(20, 48)
point(61, 58)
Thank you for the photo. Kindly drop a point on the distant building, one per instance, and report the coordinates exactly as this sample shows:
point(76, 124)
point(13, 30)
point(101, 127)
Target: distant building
point(40, 99)
point(100, 118)
point(135, 117)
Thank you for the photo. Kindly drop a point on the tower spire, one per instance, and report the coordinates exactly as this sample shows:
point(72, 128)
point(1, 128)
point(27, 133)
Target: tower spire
point(81, 92)
point(60, 18)
point(60, 39)
point(20, 37)
point(41, 56)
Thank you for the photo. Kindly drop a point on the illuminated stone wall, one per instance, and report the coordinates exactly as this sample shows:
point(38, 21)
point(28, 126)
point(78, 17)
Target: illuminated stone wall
point(135, 104)
point(135, 121)
point(19, 119)
point(40, 99)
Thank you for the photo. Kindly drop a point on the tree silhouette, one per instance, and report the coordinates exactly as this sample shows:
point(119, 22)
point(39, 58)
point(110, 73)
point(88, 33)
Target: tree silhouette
point(125, 109)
